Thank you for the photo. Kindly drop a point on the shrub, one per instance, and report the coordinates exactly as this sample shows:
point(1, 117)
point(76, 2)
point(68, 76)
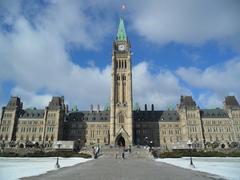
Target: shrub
point(47, 154)
point(178, 154)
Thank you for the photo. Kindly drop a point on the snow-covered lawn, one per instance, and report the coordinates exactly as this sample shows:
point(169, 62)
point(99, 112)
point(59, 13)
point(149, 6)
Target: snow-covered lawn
point(227, 167)
point(14, 168)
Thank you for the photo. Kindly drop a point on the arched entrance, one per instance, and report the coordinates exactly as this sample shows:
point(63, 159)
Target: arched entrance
point(120, 141)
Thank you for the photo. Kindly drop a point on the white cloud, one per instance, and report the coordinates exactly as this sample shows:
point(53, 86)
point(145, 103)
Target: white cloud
point(31, 99)
point(34, 56)
point(162, 89)
point(34, 53)
point(219, 81)
point(186, 21)
point(210, 100)
point(221, 78)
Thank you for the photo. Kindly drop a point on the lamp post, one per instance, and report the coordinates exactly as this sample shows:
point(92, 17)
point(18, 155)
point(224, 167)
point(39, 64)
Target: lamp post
point(79, 145)
point(151, 144)
point(146, 141)
point(57, 163)
point(3, 145)
point(189, 143)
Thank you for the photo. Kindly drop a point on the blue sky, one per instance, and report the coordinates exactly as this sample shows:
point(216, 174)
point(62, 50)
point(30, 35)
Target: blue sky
point(50, 48)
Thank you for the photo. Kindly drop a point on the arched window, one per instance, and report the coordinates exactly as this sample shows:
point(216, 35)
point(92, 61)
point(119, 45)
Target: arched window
point(33, 138)
point(40, 138)
point(52, 138)
point(210, 137)
point(121, 118)
point(46, 137)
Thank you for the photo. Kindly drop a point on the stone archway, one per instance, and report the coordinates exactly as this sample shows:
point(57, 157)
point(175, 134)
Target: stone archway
point(120, 141)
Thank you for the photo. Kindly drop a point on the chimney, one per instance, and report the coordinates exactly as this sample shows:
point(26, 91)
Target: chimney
point(98, 108)
point(152, 107)
point(145, 107)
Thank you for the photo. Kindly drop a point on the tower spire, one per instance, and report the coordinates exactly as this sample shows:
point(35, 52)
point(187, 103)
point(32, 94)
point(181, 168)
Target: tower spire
point(121, 35)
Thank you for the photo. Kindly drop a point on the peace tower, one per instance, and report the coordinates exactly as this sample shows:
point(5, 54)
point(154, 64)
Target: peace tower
point(121, 122)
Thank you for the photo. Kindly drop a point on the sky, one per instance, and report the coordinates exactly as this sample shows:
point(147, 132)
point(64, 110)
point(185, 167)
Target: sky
point(63, 48)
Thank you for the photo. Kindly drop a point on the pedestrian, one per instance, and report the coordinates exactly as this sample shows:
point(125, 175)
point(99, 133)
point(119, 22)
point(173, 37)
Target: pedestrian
point(94, 152)
point(98, 150)
point(123, 154)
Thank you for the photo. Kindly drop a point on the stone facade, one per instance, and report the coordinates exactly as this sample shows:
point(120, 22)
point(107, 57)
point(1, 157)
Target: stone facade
point(42, 126)
point(119, 124)
point(121, 120)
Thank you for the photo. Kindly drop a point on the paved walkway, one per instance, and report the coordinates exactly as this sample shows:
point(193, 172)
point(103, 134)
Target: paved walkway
point(106, 168)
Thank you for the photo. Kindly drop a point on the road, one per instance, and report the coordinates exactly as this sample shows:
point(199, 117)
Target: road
point(107, 168)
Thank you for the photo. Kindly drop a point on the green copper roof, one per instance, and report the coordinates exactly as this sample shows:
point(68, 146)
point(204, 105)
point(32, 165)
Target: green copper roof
point(121, 35)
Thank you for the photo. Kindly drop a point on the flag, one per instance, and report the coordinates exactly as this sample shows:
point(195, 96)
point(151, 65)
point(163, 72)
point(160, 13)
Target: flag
point(123, 7)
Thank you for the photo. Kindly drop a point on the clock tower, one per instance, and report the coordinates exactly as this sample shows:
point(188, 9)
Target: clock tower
point(121, 121)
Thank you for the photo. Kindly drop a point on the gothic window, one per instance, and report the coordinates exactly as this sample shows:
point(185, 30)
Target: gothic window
point(124, 92)
point(164, 140)
point(121, 118)
point(52, 138)
point(126, 64)
point(40, 138)
point(122, 65)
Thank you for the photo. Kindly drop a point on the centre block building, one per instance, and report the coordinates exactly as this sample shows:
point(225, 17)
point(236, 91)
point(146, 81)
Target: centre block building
point(120, 124)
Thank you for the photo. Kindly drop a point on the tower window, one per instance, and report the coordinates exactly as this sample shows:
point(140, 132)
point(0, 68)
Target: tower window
point(121, 118)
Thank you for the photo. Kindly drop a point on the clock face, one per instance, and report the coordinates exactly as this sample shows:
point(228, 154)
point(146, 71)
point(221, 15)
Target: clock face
point(121, 47)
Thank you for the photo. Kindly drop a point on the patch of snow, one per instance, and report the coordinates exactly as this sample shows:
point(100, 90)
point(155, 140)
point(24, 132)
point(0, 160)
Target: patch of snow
point(227, 167)
point(15, 168)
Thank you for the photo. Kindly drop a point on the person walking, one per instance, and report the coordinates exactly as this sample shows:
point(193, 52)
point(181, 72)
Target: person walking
point(123, 153)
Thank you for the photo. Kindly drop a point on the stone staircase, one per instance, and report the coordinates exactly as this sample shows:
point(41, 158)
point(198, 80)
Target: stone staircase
point(136, 153)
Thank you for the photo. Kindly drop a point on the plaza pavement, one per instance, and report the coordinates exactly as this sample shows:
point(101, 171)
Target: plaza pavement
point(109, 168)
